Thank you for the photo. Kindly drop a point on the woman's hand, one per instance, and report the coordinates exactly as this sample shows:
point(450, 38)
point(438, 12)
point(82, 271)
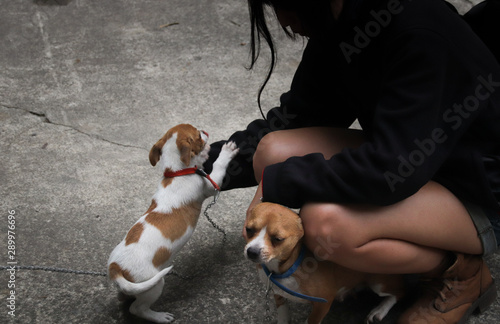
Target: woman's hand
point(256, 200)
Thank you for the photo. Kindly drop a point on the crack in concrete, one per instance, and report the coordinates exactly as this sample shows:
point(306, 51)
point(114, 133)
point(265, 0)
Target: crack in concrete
point(45, 119)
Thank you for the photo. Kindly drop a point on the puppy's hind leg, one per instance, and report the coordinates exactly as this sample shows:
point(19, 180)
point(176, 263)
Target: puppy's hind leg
point(141, 306)
point(391, 288)
point(379, 312)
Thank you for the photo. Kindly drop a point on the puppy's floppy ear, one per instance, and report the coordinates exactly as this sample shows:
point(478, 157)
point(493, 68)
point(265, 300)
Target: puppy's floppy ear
point(185, 153)
point(155, 153)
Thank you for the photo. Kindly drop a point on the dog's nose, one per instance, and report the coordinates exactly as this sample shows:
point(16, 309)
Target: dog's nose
point(253, 253)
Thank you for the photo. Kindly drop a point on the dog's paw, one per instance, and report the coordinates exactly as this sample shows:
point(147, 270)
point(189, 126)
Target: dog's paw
point(152, 316)
point(230, 150)
point(378, 313)
point(376, 316)
point(162, 318)
point(372, 318)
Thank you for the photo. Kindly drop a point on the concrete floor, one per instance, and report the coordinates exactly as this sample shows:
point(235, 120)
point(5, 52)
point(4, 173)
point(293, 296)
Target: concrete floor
point(85, 89)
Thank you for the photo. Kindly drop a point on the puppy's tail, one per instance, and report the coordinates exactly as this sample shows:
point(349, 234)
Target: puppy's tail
point(132, 288)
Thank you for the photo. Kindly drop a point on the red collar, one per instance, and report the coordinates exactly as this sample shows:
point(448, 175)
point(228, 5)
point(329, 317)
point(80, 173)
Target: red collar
point(170, 174)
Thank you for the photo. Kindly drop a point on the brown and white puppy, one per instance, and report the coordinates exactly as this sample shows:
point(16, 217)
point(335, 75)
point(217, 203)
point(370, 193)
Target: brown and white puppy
point(137, 265)
point(274, 236)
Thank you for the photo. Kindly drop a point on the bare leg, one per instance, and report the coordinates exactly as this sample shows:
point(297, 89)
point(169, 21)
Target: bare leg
point(408, 237)
point(278, 146)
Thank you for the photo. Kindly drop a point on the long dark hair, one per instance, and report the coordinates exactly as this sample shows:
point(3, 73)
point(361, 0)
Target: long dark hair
point(315, 14)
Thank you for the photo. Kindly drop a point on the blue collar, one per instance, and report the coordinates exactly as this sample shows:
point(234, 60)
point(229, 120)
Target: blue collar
point(288, 273)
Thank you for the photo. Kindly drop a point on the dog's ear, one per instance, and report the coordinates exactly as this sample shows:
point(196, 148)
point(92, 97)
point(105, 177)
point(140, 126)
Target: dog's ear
point(185, 153)
point(155, 153)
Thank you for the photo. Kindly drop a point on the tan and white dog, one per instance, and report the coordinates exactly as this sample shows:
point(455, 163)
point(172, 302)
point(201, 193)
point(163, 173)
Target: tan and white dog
point(137, 265)
point(274, 241)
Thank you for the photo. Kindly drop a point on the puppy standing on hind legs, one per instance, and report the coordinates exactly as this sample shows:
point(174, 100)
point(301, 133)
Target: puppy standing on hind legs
point(274, 237)
point(139, 263)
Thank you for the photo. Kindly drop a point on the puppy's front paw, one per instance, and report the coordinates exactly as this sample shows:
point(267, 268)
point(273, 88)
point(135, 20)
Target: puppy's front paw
point(230, 150)
point(227, 153)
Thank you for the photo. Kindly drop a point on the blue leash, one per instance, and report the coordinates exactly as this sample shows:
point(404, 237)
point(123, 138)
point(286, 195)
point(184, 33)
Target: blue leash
point(288, 273)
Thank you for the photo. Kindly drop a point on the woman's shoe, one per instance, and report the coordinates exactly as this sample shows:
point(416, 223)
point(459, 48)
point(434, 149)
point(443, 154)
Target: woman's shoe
point(465, 287)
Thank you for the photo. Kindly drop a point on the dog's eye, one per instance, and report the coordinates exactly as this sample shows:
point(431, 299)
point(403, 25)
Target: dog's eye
point(250, 231)
point(276, 239)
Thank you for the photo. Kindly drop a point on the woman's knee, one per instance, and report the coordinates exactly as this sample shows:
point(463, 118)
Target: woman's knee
point(280, 145)
point(271, 149)
point(330, 232)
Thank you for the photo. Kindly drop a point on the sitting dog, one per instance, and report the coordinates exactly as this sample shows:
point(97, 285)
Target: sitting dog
point(274, 236)
point(137, 265)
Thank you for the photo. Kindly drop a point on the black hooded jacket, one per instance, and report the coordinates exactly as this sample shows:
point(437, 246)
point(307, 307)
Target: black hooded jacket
point(426, 92)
